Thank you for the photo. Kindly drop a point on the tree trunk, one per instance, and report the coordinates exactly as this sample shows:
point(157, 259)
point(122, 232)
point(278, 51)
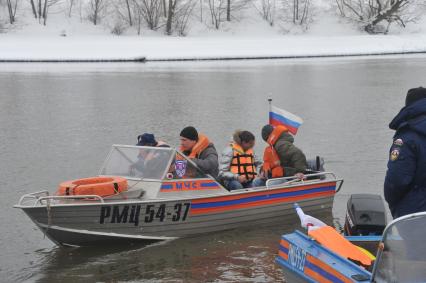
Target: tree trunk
point(201, 10)
point(297, 10)
point(170, 18)
point(33, 8)
point(130, 14)
point(164, 8)
point(95, 16)
point(139, 22)
point(9, 8)
point(14, 10)
point(370, 28)
point(45, 12)
point(228, 10)
point(39, 9)
point(70, 10)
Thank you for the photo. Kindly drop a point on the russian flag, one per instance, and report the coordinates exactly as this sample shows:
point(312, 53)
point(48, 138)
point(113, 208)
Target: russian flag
point(279, 116)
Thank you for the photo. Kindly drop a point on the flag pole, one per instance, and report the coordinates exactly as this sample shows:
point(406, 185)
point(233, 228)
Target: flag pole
point(270, 110)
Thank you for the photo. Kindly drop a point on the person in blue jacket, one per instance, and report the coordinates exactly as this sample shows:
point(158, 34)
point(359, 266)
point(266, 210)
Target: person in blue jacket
point(405, 182)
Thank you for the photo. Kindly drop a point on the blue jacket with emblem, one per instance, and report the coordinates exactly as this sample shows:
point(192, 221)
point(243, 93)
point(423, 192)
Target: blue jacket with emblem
point(405, 182)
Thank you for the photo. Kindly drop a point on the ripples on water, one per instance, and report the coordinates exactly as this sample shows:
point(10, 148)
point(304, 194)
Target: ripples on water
point(58, 122)
point(233, 256)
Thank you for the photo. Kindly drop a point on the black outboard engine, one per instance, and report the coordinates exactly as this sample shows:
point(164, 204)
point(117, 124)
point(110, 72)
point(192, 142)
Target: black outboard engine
point(315, 166)
point(365, 215)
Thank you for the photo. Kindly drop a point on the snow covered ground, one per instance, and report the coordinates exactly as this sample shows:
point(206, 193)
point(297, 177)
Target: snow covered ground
point(177, 48)
point(250, 37)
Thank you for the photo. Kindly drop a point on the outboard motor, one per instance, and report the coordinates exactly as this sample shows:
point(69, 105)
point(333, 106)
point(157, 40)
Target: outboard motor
point(365, 215)
point(315, 165)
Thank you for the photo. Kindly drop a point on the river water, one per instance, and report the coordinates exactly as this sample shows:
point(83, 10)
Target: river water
point(57, 123)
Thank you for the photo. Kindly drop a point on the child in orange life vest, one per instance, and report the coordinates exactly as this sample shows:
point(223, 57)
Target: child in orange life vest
point(200, 150)
point(239, 164)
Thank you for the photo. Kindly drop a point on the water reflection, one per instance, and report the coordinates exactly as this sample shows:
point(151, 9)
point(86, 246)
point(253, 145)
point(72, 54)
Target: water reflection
point(243, 255)
point(58, 122)
point(239, 256)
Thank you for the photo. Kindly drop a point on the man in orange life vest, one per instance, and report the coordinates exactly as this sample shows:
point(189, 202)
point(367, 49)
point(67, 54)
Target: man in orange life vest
point(281, 157)
point(238, 165)
point(201, 151)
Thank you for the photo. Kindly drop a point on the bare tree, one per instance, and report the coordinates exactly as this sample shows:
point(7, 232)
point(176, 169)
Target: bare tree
point(267, 10)
point(71, 4)
point(341, 8)
point(33, 8)
point(129, 12)
point(137, 15)
point(163, 3)
point(124, 11)
point(150, 11)
point(299, 11)
point(216, 8)
point(96, 7)
point(40, 9)
point(201, 10)
point(182, 16)
point(228, 10)
point(295, 11)
point(219, 10)
point(11, 8)
point(45, 12)
point(373, 13)
point(170, 16)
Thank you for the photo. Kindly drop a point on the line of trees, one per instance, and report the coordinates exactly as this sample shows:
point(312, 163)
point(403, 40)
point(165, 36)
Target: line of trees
point(376, 16)
point(175, 16)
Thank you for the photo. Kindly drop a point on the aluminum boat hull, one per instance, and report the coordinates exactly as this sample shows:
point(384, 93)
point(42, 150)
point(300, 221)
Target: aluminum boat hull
point(87, 222)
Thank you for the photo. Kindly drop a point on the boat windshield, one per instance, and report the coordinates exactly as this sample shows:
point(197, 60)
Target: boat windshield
point(138, 161)
point(403, 257)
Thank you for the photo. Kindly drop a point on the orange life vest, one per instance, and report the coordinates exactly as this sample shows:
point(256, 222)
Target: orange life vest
point(101, 186)
point(271, 160)
point(242, 162)
point(202, 143)
point(328, 237)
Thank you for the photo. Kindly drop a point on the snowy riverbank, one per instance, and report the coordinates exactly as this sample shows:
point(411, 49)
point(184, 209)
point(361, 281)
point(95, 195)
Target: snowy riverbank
point(248, 36)
point(204, 48)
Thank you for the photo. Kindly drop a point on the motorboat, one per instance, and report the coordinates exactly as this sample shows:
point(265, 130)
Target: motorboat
point(151, 194)
point(400, 254)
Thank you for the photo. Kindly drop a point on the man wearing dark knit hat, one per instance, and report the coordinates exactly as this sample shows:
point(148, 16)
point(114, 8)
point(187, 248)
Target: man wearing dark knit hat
point(200, 150)
point(405, 182)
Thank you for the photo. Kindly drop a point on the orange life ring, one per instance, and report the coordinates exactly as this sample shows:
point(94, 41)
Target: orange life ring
point(101, 186)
